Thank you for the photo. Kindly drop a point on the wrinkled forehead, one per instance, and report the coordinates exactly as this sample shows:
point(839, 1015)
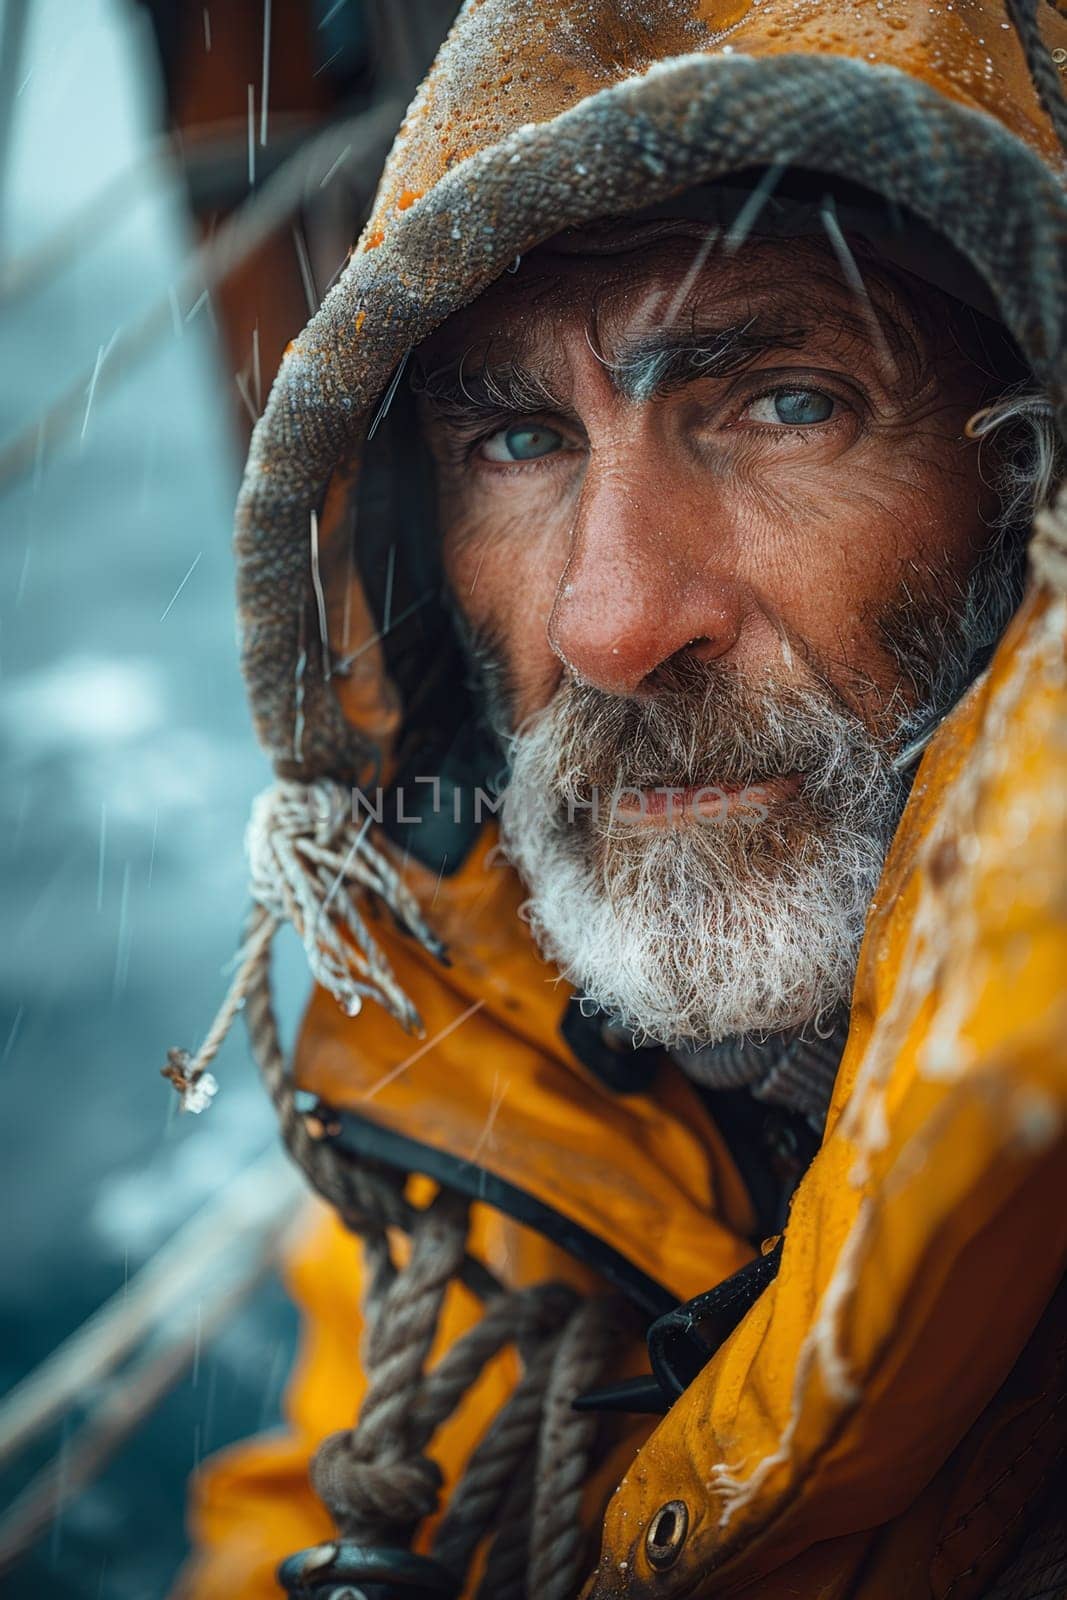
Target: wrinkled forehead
point(612, 284)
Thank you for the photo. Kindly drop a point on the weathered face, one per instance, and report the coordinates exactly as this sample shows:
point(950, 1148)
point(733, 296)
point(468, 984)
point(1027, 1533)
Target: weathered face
point(707, 515)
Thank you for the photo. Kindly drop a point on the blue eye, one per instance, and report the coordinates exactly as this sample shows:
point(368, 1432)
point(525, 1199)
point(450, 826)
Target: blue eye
point(803, 405)
point(793, 408)
point(523, 442)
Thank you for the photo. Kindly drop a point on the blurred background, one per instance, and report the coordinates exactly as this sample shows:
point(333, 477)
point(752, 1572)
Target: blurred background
point(179, 184)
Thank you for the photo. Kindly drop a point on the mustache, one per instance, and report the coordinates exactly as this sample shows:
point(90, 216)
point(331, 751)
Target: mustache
point(705, 724)
point(695, 933)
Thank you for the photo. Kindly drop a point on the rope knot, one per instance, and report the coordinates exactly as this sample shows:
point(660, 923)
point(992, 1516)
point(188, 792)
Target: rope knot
point(307, 855)
point(374, 1500)
point(316, 811)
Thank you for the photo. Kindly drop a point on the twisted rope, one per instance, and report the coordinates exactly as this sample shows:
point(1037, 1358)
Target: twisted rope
point(518, 1318)
point(375, 1479)
point(504, 1577)
point(369, 1198)
point(378, 1483)
point(527, 1476)
point(306, 856)
point(503, 1455)
point(1043, 71)
point(565, 1450)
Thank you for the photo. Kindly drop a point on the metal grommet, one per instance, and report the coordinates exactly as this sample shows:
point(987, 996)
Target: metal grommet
point(666, 1535)
point(1059, 56)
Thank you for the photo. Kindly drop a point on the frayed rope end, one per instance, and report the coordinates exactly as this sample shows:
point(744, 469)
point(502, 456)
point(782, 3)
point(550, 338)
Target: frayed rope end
point(306, 857)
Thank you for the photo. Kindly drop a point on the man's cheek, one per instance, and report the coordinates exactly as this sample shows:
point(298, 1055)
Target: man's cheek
point(467, 540)
point(498, 550)
point(800, 541)
point(843, 534)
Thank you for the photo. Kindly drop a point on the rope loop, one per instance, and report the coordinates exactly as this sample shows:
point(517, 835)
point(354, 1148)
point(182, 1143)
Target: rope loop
point(374, 1480)
point(377, 1481)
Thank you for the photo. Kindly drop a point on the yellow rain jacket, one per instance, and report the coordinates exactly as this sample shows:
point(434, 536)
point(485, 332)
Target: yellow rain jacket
point(887, 1418)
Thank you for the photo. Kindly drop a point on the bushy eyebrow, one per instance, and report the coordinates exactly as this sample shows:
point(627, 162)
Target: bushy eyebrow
point(460, 396)
point(662, 361)
point(640, 369)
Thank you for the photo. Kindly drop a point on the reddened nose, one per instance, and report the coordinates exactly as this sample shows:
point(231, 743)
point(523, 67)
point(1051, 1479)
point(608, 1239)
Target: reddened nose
point(639, 587)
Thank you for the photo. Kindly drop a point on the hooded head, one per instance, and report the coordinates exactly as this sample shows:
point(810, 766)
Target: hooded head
point(727, 554)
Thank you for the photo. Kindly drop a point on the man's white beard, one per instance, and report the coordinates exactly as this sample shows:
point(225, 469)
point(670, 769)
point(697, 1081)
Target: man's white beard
point(706, 928)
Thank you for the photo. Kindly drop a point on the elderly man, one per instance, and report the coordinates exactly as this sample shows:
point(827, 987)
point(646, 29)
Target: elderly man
point(656, 485)
point(721, 546)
